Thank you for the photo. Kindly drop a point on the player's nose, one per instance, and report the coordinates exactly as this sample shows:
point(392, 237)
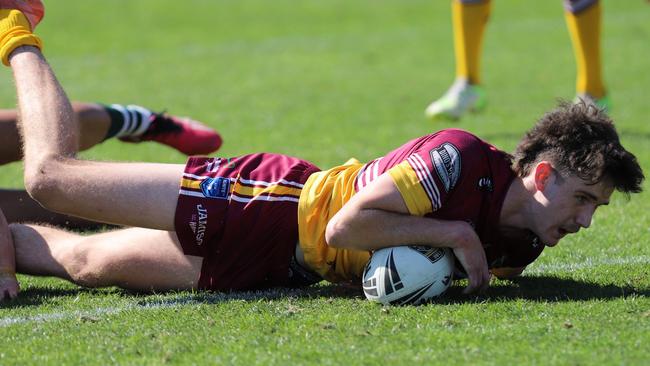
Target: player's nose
point(583, 218)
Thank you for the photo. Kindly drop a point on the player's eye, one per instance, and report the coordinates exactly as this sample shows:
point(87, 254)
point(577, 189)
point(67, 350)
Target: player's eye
point(582, 199)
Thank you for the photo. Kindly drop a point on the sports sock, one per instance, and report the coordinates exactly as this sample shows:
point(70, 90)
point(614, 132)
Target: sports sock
point(127, 120)
point(584, 28)
point(15, 31)
point(469, 21)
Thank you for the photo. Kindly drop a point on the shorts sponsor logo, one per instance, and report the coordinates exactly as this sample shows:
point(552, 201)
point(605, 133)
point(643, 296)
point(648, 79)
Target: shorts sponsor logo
point(218, 187)
point(446, 161)
point(199, 223)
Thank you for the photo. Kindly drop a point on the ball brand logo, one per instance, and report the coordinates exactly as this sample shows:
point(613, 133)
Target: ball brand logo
point(199, 223)
point(218, 187)
point(432, 254)
point(446, 160)
point(446, 280)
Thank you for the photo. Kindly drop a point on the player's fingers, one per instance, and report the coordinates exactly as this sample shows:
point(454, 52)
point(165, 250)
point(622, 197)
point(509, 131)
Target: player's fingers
point(475, 282)
point(486, 281)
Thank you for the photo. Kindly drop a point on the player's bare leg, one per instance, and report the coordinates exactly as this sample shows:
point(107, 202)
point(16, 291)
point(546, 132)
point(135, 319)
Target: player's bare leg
point(132, 194)
point(93, 123)
point(18, 206)
point(135, 259)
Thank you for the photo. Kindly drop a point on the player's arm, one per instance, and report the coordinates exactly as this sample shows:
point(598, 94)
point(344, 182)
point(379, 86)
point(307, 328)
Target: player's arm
point(8, 282)
point(377, 217)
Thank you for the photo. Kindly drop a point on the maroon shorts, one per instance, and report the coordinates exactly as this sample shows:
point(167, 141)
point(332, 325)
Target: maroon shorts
point(241, 215)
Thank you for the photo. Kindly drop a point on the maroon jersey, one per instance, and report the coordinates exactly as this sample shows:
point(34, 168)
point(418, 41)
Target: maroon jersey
point(454, 175)
point(448, 175)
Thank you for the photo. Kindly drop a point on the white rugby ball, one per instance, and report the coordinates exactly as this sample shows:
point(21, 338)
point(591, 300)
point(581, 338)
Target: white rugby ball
point(408, 274)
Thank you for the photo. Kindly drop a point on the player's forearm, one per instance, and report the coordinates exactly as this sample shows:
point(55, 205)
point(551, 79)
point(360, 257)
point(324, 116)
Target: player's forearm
point(47, 122)
point(372, 229)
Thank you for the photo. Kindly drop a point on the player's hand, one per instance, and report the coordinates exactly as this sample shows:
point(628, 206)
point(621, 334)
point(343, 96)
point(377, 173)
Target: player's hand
point(469, 252)
point(9, 286)
point(33, 9)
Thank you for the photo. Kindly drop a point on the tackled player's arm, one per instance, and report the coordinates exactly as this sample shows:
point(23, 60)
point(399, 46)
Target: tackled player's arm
point(377, 217)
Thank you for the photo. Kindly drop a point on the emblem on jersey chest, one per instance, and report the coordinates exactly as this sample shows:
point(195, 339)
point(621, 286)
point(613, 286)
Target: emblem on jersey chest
point(485, 184)
point(446, 161)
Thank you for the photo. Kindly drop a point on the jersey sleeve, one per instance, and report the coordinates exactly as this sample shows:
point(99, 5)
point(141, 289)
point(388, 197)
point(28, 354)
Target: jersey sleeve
point(431, 172)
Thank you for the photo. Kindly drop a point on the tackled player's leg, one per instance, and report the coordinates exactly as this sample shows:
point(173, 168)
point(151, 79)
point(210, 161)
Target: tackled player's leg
point(131, 194)
point(134, 259)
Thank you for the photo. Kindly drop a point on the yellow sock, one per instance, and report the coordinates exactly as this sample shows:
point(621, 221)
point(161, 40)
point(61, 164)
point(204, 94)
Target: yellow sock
point(469, 25)
point(15, 31)
point(584, 28)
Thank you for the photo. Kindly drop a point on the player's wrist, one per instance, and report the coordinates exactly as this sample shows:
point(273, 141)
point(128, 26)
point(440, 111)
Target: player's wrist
point(461, 235)
point(15, 31)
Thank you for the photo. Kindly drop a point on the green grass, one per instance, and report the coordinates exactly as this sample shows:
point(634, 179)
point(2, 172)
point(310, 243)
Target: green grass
point(327, 80)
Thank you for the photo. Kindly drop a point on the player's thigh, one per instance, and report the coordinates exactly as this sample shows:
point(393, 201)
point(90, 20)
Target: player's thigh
point(129, 194)
point(140, 259)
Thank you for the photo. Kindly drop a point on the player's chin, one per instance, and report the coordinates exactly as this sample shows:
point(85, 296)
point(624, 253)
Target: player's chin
point(553, 238)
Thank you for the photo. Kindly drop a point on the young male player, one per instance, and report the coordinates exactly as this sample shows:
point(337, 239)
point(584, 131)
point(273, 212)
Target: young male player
point(265, 220)
point(98, 123)
point(470, 17)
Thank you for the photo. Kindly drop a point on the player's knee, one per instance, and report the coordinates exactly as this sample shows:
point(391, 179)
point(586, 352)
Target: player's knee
point(85, 268)
point(42, 181)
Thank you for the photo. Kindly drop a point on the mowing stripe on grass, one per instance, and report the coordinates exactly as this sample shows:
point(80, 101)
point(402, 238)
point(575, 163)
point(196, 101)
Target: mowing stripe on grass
point(589, 263)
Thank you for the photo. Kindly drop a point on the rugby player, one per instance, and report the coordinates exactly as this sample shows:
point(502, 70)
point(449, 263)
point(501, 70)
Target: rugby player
point(470, 17)
point(265, 220)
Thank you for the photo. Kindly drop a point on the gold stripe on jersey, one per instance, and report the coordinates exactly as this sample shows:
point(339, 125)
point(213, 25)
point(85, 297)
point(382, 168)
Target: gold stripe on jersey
point(410, 187)
point(323, 195)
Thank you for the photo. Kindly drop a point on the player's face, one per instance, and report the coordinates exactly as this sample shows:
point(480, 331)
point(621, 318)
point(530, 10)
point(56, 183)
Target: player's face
point(566, 205)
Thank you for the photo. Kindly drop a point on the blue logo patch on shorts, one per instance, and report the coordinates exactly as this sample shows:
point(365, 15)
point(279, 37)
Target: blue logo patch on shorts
point(218, 187)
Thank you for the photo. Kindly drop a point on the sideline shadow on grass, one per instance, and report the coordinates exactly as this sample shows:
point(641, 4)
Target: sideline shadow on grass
point(537, 288)
point(545, 288)
point(37, 296)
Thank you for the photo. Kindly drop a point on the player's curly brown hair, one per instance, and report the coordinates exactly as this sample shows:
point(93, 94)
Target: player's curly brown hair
point(579, 139)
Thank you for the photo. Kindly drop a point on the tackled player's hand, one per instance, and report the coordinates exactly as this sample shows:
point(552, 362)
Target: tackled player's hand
point(469, 251)
point(9, 286)
point(33, 9)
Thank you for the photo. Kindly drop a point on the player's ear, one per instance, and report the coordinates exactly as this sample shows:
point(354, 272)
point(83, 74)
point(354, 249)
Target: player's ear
point(543, 174)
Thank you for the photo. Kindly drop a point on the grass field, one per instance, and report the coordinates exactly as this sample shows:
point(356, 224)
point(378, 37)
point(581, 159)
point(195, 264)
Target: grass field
point(327, 80)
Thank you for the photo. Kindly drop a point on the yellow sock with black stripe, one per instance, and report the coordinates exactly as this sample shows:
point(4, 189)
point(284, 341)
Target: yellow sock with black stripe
point(584, 28)
point(469, 21)
point(15, 31)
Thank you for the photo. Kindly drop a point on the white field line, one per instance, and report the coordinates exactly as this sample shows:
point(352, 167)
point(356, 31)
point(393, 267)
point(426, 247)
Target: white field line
point(152, 304)
point(90, 314)
point(218, 297)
